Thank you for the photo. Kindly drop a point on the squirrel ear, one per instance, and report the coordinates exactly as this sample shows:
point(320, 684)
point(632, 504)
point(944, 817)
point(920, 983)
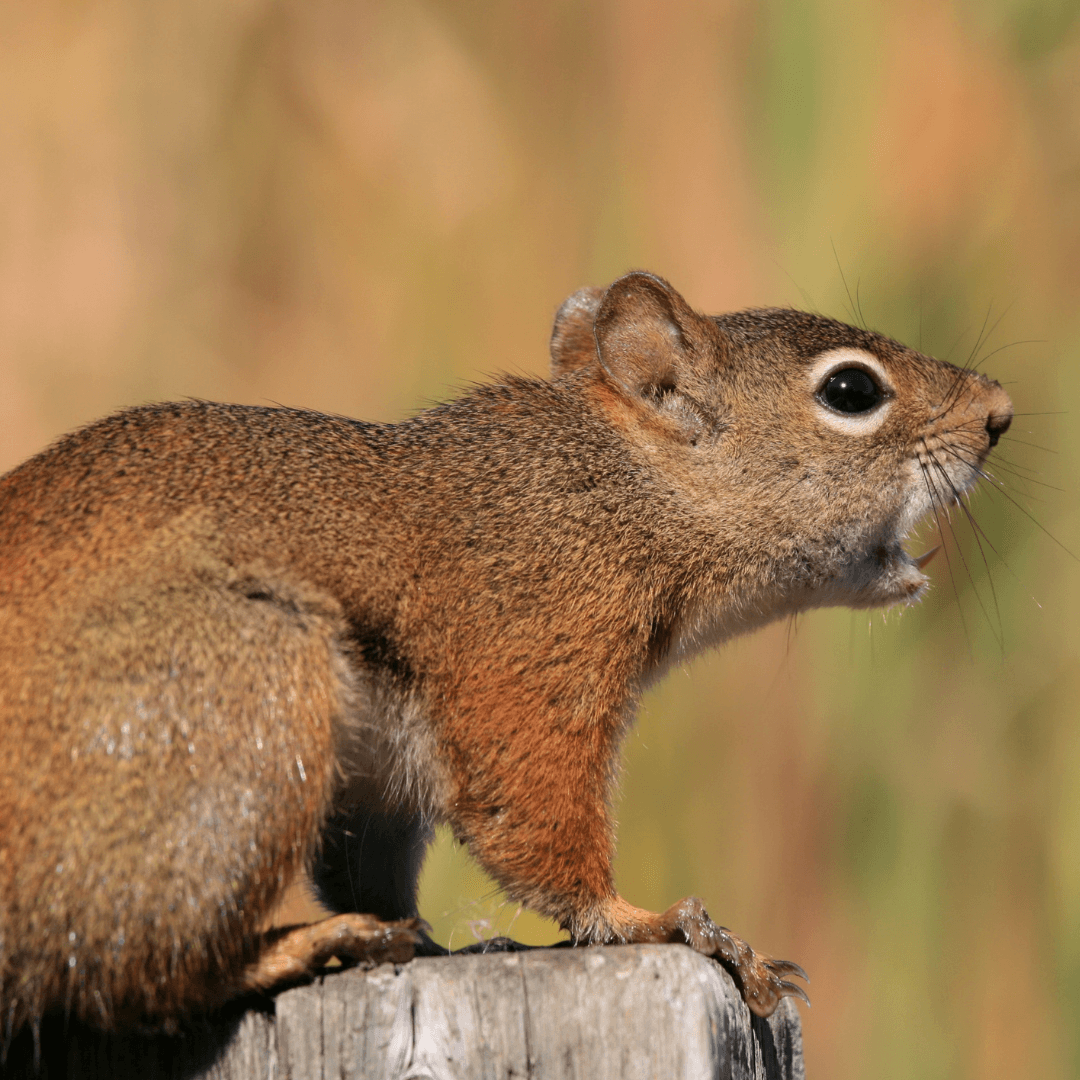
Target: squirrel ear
point(649, 338)
point(572, 342)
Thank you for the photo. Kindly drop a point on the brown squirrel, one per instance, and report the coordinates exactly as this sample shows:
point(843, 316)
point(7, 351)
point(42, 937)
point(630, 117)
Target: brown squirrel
point(243, 645)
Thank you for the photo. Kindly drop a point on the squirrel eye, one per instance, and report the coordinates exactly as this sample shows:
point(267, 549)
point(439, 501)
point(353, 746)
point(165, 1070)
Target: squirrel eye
point(851, 391)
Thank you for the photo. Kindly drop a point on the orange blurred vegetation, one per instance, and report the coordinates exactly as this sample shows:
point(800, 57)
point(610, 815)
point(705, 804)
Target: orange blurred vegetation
point(359, 206)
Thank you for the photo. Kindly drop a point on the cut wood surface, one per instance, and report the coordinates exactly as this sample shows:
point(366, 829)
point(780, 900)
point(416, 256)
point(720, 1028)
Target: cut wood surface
point(642, 1011)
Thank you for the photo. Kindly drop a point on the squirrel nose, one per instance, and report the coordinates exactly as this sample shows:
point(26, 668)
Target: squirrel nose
point(1001, 414)
point(996, 426)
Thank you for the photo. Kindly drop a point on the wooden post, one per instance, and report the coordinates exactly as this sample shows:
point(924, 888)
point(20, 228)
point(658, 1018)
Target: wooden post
point(643, 1012)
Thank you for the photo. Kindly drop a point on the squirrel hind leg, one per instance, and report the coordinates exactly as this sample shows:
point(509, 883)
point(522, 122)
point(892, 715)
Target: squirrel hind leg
point(296, 953)
point(762, 980)
point(192, 772)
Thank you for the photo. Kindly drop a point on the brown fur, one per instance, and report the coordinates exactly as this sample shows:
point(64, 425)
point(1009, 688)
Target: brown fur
point(240, 643)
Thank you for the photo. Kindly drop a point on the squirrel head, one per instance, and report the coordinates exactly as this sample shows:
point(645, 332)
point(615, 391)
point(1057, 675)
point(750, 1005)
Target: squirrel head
point(804, 449)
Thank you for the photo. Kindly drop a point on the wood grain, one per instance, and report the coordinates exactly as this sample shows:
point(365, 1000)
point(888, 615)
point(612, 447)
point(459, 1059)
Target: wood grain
point(634, 1012)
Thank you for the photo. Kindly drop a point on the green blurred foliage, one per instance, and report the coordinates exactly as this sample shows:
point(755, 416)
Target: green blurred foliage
point(360, 206)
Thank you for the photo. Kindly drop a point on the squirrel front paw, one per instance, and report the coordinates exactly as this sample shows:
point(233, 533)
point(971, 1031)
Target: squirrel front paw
point(762, 980)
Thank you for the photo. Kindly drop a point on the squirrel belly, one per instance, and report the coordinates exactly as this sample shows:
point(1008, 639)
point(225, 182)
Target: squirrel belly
point(243, 645)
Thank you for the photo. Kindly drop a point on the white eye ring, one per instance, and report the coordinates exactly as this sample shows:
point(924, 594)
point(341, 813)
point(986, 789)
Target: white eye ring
point(828, 364)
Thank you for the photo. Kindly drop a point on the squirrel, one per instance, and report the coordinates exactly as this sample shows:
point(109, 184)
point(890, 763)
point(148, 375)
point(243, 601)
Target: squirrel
point(246, 646)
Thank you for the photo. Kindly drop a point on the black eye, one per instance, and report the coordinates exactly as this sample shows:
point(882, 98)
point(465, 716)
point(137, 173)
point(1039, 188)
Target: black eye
point(851, 391)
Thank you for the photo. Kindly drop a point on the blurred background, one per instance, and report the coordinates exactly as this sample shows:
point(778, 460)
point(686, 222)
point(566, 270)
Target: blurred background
point(361, 207)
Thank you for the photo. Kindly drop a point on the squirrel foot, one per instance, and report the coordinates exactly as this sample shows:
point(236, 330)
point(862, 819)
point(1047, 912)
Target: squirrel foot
point(763, 981)
point(296, 952)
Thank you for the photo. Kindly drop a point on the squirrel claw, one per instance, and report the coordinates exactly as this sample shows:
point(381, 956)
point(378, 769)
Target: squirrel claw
point(762, 985)
point(790, 989)
point(786, 967)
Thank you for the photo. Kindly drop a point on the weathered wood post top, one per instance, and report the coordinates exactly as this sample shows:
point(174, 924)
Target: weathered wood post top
point(642, 1012)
